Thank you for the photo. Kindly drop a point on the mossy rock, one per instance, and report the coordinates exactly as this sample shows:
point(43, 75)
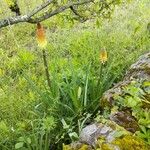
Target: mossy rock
point(93, 134)
point(133, 92)
point(107, 137)
point(81, 147)
point(140, 71)
point(127, 142)
point(131, 143)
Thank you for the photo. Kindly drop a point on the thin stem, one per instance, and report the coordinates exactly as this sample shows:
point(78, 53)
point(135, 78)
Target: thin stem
point(86, 86)
point(46, 141)
point(46, 68)
point(41, 141)
point(100, 78)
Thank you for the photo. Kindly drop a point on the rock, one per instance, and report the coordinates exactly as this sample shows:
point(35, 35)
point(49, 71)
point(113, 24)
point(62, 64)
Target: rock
point(126, 120)
point(77, 146)
point(90, 133)
point(128, 94)
point(129, 142)
point(125, 143)
point(107, 136)
point(140, 70)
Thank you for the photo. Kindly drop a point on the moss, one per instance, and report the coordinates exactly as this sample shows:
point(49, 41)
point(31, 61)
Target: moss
point(103, 145)
point(67, 147)
point(106, 146)
point(83, 147)
point(129, 142)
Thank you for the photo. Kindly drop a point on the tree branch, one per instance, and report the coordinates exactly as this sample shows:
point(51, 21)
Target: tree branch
point(57, 11)
point(13, 20)
point(80, 18)
point(75, 11)
point(38, 9)
point(27, 17)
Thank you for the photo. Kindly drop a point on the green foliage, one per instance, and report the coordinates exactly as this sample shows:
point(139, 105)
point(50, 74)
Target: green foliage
point(36, 134)
point(135, 98)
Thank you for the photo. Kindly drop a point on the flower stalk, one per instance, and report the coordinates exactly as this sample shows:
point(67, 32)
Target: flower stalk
point(46, 68)
point(42, 43)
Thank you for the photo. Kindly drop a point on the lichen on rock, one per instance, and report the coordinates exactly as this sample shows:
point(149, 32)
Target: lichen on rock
point(107, 136)
point(129, 142)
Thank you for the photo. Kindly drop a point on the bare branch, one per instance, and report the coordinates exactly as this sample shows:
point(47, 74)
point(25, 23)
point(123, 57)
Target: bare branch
point(38, 9)
point(57, 11)
point(80, 17)
point(27, 17)
point(75, 11)
point(13, 20)
point(24, 18)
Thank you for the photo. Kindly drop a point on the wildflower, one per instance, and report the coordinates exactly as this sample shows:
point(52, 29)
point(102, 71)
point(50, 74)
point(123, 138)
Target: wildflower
point(103, 56)
point(41, 37)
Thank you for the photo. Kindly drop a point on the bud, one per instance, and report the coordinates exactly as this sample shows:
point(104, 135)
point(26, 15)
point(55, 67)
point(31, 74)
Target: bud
point(103, 56)
point(41, 37)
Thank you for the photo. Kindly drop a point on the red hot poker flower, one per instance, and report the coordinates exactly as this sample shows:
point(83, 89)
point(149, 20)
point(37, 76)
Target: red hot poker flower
point(41, 36)
point(103, 56)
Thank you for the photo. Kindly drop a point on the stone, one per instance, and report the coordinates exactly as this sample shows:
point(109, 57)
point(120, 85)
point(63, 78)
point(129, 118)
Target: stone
point(140, 69)
point(99, 136)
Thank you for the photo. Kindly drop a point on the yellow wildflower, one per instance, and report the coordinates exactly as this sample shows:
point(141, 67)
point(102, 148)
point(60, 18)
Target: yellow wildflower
point(103, 56)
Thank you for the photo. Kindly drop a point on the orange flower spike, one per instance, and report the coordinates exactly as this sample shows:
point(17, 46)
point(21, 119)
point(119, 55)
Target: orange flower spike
point(41, 36)
point(103, 56)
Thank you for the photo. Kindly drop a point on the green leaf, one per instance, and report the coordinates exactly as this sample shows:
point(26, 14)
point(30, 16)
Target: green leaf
point(79, 92)
point(21, 139)
point(65, 126)
point(73, 136)
point(19, 145)
point(29, 140)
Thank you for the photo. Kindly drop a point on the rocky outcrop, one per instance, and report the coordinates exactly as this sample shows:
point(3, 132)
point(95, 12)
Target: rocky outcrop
point(140, 71)
point(127, 123)
point(133, 90)
point(107, 136)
